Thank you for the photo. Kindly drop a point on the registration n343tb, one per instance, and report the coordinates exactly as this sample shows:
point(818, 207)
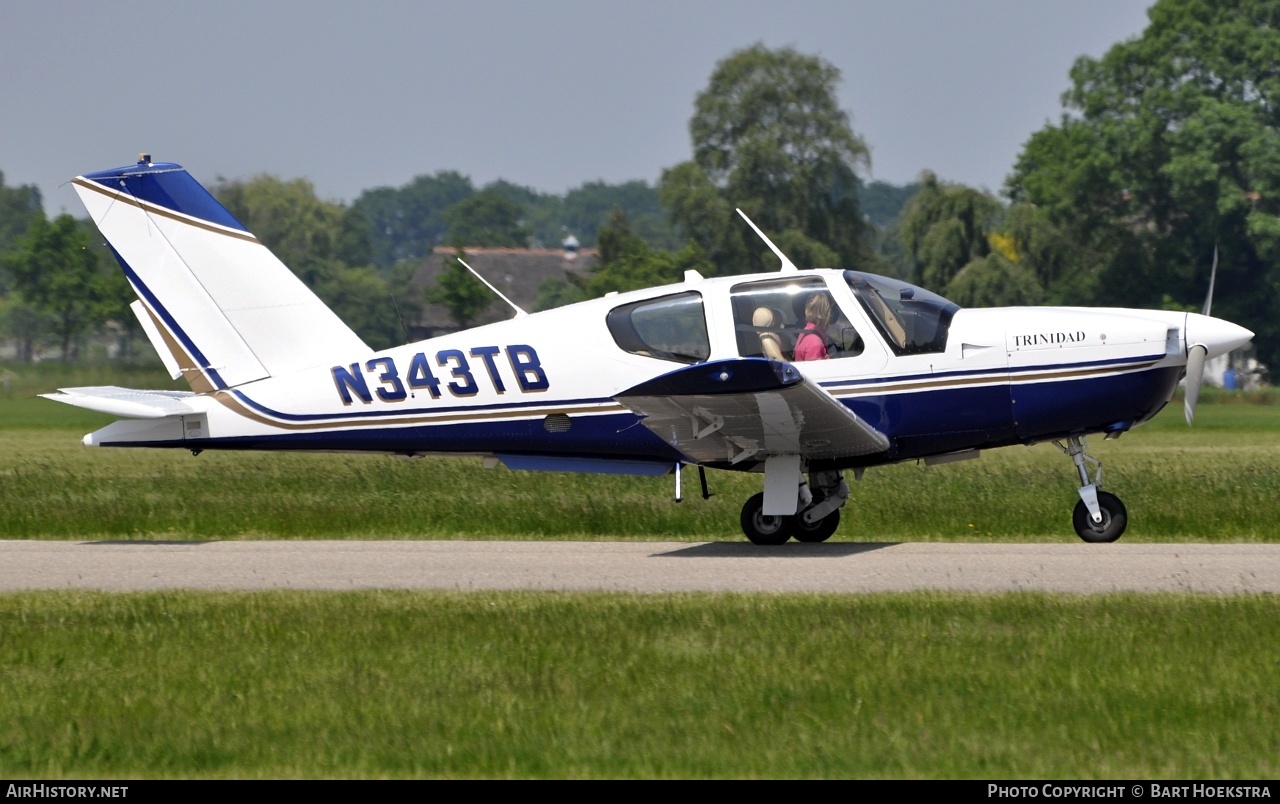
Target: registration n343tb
point(800, 376)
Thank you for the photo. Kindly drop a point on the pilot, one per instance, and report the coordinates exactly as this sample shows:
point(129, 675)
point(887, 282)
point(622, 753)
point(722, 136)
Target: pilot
point(812, 343)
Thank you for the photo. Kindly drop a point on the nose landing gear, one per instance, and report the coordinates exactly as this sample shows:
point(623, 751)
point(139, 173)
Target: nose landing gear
point(1098, 516)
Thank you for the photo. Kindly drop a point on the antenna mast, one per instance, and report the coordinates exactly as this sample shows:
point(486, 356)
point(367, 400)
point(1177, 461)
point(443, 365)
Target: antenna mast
point(519, 313)
point(787, 265)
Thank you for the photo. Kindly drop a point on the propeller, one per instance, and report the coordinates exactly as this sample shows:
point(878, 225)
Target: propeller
point(1195, 374)
point(1213, 274)
point(1196, 354)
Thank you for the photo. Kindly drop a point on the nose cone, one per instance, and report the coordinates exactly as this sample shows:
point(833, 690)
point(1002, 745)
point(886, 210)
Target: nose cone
point(1217, 336)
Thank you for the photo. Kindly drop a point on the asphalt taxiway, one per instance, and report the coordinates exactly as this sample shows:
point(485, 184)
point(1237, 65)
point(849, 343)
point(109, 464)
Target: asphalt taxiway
point(644, 567)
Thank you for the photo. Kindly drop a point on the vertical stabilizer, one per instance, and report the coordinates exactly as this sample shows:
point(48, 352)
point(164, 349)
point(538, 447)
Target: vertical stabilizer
point(228, 311)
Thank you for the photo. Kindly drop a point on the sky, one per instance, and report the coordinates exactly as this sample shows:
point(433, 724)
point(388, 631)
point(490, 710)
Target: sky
point(549, 94)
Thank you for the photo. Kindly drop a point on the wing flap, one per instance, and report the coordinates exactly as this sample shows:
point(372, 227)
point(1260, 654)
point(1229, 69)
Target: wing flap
point(127, 402)
point(733, 411)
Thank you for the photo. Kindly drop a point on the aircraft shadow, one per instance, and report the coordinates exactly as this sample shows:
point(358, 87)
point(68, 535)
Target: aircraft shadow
point(788, 550)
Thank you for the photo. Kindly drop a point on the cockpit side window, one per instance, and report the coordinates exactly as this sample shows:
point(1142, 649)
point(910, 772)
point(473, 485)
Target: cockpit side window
point(912, 320)
point(668, 328)
point(773, 319)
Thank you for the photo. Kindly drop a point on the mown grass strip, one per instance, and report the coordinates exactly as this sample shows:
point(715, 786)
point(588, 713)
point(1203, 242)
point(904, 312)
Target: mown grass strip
point(431, 684)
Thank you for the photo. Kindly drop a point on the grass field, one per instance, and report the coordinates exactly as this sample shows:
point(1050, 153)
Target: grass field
point(388, 684)
point(1217, 481)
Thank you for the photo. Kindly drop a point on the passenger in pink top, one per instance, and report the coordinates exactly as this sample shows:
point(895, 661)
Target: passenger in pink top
point(812, 343)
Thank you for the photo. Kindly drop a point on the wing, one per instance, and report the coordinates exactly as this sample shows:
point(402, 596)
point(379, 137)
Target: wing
point(731, 411)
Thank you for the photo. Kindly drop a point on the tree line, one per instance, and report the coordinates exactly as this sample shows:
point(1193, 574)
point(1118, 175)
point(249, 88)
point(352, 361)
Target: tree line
point(1166, 158)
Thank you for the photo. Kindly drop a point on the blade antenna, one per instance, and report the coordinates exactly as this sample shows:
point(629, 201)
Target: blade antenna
point(787, 265)
point(519, 313)
point(1213, 274)
point(399, 317)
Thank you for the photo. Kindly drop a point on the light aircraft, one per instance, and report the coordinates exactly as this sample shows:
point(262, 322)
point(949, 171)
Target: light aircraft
point(703, 373)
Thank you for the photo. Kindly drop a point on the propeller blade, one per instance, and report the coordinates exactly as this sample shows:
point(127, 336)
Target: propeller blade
point(1213, 274)
point(1195, 375)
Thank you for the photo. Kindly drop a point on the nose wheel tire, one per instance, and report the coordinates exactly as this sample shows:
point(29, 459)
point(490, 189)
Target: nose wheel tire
point(819, 531)
point(1114, 519)
point(762, 528)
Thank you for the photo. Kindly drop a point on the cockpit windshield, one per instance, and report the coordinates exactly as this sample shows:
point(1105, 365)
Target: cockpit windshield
point(912, 319)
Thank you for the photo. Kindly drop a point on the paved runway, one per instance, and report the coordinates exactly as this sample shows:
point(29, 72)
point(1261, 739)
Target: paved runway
point(639, 566)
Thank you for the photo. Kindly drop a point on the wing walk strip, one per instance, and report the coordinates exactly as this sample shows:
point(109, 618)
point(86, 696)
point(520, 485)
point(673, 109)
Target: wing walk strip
point(163, 212)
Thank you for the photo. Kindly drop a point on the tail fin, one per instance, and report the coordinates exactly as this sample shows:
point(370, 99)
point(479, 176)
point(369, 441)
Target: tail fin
point(225, 308)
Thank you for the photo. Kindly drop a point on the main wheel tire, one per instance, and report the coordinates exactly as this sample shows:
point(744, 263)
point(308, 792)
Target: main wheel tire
point(762, 528)
point(819, 531)
point(1114, 519)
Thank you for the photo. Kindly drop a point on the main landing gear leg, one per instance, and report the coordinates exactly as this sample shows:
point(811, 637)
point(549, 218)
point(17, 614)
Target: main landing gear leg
point(817, 522)
point(1098, 516)
point(817, 508)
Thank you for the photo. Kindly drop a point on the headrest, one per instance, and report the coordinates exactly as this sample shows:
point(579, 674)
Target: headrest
point(765, 317)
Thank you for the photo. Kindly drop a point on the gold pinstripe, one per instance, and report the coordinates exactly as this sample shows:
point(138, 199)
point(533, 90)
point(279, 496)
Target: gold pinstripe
point(227, 400)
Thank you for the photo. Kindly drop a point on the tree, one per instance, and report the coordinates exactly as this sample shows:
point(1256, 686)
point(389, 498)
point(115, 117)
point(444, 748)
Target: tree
point(375, 307)
point(56, 273)
point(556, 292)
point(615, 238)
point(957, 244)
point(487, 219)
point(585, 209)
point(408, 222)
point(19, 208)
point(994, 281)
point(1169, 148)
point(117, 293)
point(882, 203)
point(627, 262)
point(329, 247)
point(460, 292)
point(307, 234)
point(944, 228)
point(25, 323)
point(769, 137)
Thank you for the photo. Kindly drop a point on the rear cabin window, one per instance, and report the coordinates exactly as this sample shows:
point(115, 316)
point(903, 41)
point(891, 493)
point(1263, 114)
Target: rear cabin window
point(670, 328)
point(769, 320)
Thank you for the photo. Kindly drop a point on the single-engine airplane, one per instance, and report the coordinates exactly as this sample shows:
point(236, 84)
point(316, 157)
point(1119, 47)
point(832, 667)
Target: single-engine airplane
point(707, 372)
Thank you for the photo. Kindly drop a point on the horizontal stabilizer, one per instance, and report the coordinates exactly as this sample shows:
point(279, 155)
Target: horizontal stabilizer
point(733, 411)
point(126, 402)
